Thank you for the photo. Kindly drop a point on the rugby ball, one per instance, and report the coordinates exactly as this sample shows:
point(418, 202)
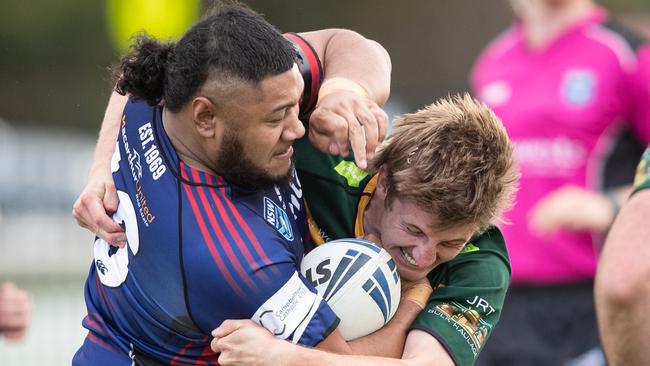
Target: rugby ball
point(359, 281)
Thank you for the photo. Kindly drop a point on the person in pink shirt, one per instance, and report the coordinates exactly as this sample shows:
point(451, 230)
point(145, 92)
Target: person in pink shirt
point(572, 88)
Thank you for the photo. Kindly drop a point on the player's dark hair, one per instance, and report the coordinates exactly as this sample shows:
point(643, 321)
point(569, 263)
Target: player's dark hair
point(234, 42)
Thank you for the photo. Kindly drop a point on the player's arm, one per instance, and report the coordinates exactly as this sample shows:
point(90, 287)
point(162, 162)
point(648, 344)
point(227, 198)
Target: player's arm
point(386, 342)
point(356, 83)
point(242, 342)
point(99, 198)
point(622, 289)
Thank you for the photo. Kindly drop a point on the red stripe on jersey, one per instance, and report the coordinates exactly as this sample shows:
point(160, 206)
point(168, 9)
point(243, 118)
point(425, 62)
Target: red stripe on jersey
point(98, 327)
point(206, 236)
point(234, 260)
point(249, 234)
point(100, 342)
point(235, 233)
point(175, 361)
point(312, 59)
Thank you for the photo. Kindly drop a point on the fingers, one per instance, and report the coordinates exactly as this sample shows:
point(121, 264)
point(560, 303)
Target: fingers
point(110, 198)
point(92, 210)
point(231, 325)
point(226, 329)
point(357, 137)
point(381, 119)
point(343, 121)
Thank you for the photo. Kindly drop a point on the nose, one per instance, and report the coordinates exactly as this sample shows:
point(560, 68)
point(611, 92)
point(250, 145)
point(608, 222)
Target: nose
point(425, 254)
point(294, 128)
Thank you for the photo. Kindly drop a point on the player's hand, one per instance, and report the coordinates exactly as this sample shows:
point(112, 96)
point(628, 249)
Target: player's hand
point(243, 342)
point(417, 292)
point(344, 120)
point(94, 206)
point(572, 208)
point(15, 311)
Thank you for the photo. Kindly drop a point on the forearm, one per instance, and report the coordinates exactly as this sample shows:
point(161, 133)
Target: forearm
point(622, 291)
point(347, 54)
point(420, 349)
point(108, 133)
point(389, 340)
point(311, 357)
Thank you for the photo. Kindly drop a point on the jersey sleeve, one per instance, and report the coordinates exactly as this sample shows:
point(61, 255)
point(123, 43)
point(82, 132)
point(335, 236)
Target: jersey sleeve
point(311, 71)
point(468, 297)
point(253, 273)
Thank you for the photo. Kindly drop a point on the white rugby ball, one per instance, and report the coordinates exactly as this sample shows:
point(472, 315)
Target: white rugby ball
point(359, 281)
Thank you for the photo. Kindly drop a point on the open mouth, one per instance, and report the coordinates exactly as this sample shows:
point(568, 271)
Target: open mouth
point(285, 154)
point(407, 258)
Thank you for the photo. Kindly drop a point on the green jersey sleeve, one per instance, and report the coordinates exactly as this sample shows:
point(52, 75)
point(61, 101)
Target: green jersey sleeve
point(468, 297)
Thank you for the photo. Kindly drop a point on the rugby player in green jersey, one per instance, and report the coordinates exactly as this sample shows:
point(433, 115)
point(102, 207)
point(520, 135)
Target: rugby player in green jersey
point(435, 189)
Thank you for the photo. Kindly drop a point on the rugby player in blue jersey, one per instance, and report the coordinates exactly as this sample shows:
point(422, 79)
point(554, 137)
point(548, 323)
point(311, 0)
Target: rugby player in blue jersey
point(208, 223)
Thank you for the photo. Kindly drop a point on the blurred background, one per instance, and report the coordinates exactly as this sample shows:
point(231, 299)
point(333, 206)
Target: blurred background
point(55, 81)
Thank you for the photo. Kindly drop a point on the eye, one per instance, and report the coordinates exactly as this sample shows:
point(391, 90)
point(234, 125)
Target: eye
point(453, 244)
point(413, 230)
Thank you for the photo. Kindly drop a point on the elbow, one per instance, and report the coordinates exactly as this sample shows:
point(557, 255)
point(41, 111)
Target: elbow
point(622, 289)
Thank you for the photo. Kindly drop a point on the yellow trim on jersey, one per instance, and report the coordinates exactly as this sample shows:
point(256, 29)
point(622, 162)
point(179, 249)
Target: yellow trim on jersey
point(314, 230)
point(368, 191)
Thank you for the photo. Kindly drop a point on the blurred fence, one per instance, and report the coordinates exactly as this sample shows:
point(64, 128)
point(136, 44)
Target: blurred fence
point(41, 248)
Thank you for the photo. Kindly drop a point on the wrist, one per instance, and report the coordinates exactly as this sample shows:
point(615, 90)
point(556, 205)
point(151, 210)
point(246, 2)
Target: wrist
point(341, 84)
point(418, 294)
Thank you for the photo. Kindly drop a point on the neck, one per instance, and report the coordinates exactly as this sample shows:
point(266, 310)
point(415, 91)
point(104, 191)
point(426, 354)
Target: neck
point(544, 21)
point(186, 141)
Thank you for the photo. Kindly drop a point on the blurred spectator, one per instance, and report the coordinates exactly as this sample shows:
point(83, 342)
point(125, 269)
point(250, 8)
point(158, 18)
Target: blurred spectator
point(622, 287)
point(15, 312)
point(572, 92)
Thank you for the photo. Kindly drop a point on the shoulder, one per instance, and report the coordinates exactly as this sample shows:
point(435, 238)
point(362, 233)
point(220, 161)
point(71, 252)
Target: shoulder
point(489, 244)
point(612, 40)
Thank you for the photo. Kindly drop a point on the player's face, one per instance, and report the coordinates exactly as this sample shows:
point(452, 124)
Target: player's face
point(256, 144)
point(406, 233)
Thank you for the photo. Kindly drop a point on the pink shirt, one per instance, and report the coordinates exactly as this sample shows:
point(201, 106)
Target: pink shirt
point(563, 107)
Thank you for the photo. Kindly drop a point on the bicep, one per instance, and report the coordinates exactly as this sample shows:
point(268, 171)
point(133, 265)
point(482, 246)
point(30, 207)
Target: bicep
point(423, 349)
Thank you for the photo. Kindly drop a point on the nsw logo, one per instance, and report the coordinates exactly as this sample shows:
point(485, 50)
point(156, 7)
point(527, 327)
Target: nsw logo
point(278, 218)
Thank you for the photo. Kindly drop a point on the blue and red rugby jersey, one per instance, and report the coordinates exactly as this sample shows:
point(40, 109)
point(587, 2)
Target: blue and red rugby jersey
point(199, 251)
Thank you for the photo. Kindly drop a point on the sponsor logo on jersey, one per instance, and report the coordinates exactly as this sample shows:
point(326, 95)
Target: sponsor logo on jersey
point(135, 165)
point(469, 248)
point(578, 87)
point(351, 172)
point(278, 218)
point(289, 311)
point(466, 321)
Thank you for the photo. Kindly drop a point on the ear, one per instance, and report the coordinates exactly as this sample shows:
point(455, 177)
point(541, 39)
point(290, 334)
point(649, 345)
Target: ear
point(204, 114)
point(381, 191)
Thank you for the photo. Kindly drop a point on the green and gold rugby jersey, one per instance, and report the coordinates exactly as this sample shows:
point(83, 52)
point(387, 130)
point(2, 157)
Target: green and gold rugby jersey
point(469, 290)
